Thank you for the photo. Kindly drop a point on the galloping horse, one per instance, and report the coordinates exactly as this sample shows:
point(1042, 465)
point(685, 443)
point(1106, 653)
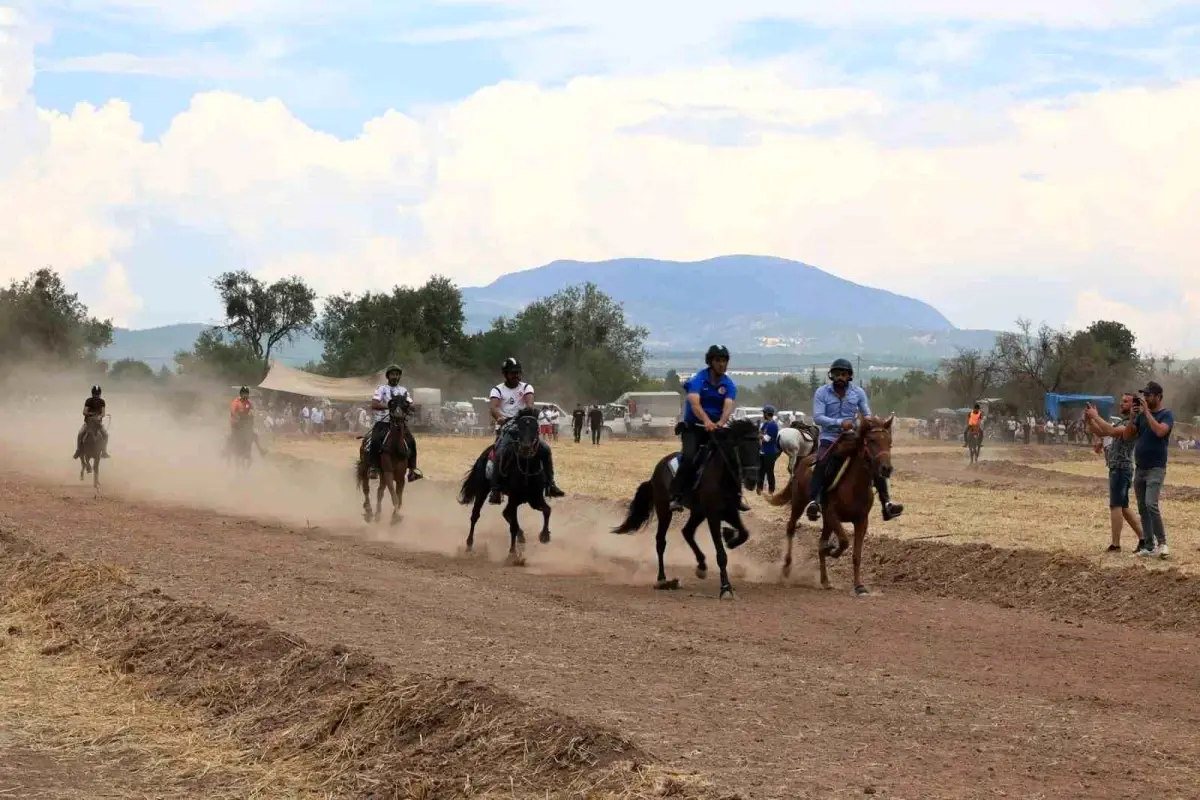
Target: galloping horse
point(393, 464)
point(240, 440)
point(90, 450)
point(522, 481)
point(730, 459)
point(863, 454)
point(797, 437)
point(974, 442)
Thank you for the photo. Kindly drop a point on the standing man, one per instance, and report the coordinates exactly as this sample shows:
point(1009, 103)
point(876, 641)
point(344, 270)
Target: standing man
point(1151, 431)
point(1118, 457)
point(768, 451)
point(595, 423)
point(577, 418)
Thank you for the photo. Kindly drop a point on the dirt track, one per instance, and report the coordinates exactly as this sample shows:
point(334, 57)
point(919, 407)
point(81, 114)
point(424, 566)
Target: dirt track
point(788, 692)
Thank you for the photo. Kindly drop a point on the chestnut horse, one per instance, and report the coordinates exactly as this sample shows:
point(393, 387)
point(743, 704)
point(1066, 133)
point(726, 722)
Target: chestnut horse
point(393, 464)
point(863, 455)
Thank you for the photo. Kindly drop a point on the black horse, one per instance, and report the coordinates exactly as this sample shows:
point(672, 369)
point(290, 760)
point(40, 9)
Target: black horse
point(522, 480)
point(730, 459)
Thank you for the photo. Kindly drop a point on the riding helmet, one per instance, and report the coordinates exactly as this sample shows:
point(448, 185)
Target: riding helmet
point(510, 365)
point(392, 368)
point(244, 390)
point(96, 390)
point(842, 363)
point(716, 351)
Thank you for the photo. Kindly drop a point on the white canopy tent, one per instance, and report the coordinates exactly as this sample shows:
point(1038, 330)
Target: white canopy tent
point(282, 378)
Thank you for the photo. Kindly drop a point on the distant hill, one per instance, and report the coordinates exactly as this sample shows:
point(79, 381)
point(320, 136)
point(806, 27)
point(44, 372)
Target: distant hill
point(749, 303)
point(782, 314)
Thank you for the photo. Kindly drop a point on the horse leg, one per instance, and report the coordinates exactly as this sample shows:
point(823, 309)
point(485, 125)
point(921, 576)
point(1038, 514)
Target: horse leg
point(860, 533)
point(689, 536)
point(544, 536)
point(385, 478)
point(516, 547)
point(660, 546)
point(96, 476)
point(825, 584)
point(397, 491)
point(714, 527)
point(791, 537)
point(475, 509)
point(364, 483)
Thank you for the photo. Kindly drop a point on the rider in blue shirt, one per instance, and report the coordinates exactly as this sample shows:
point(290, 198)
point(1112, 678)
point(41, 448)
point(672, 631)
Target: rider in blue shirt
point(835, 406)
point(769, 450)
point(710, 400)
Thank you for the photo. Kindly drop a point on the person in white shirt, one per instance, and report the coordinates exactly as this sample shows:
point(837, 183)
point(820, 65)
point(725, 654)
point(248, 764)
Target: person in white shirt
point(505, 401)
point(379, 405)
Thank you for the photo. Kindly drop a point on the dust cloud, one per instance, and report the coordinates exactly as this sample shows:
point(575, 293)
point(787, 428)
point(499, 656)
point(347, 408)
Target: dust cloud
point(164, 456)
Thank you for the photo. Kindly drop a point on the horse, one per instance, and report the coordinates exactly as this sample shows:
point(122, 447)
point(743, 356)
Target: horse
point(522, 481)
point(732, 457)
point(393, 464)
point(794, 438)
point(241, 438)
point(90, 450)
point(974, 443)
point(865, 454)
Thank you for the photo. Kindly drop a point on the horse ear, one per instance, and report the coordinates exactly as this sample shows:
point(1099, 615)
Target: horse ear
point(889, 422)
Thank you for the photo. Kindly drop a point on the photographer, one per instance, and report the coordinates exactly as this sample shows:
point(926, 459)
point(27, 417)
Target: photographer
point(1118, 457)
point(1151, 431)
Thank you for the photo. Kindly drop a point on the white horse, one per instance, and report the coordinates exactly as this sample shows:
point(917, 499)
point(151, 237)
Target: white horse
point(792, 441)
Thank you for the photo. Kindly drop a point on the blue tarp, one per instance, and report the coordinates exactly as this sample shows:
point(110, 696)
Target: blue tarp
point(1055, 403)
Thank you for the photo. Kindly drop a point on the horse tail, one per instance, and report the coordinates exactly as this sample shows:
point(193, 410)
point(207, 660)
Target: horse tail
point(640, 509)
point(473, 482)
point(784, 495)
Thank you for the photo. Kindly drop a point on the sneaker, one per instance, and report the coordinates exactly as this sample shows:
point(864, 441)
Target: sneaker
point(1164, 551)
point(1141, 545)
point(553, 491)
point(1149, 553)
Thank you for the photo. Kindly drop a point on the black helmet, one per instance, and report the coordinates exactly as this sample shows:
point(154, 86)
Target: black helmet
point(842, 363)
point(392, 368)
point(96, 390)
point(244, 390)
point(510, 365)
point(716, 351)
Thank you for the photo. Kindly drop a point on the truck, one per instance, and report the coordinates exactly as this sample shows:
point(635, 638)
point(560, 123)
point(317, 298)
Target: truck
point(427, 409)
point(649, 413)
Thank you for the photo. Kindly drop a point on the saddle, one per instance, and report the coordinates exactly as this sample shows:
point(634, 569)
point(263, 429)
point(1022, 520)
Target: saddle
point(703, 454)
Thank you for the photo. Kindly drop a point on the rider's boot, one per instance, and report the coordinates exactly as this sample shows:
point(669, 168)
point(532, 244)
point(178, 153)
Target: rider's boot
point(414, 474)
point(78, 447)
point(890, 510)
point(552, 489)
point(494, 494)
point(813, 509)
point(682, 476)
point(742, 504)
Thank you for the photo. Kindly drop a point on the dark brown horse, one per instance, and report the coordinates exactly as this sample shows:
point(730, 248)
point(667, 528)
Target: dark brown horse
point(863, 454)
point(393, 464)
point(731, 459)
point(90, 451)
point(974, 443)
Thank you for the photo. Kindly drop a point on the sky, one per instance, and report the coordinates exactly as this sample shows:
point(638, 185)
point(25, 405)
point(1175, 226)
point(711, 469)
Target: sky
point(998, 160)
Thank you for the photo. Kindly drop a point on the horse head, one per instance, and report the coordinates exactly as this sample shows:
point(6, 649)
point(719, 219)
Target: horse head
point(875, 440)
point(527, 434)
point(742, 438)
point(398, 408)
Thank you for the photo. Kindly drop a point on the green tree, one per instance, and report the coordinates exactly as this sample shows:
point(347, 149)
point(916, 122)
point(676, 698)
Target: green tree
point(969, 376)
point(672, 382)
point(1119, 342)
point(40, 319)
point(789, 393)
point(131, 370)
point(814, 382)
point(365, 333)
point(913, 394)
point(216, 356)
point(261, 316)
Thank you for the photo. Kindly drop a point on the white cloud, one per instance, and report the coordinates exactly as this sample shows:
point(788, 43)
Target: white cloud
point(517, 175)
point(1169, 328)
point(118, 302)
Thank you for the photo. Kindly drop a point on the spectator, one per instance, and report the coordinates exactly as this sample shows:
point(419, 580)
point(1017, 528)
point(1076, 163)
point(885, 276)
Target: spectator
point(317, 420)
point(1151, 430)
point(1118, 456)
point(768, 451)
point(577, 418)
point(596, 423)
point(304, 420)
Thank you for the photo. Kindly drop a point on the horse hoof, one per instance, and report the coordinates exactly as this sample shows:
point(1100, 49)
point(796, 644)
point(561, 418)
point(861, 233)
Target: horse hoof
point(667, 585)
point(727, 594)
point(516, 561)
point(701, 572)
point(860, 590)
point(787, 570)
point(544, 537)
point(826, 585)
point(395, 520)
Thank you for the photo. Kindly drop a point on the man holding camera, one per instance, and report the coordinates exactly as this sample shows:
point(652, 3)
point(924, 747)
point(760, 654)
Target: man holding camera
point(1118, 457)
point(1150, 429)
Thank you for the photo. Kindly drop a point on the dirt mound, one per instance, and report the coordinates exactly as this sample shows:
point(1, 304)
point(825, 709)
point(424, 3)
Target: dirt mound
point(1054, 583)
point(361, 730)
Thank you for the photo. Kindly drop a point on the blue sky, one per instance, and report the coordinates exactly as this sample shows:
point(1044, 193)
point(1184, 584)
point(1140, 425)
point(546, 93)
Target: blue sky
point(899, 144)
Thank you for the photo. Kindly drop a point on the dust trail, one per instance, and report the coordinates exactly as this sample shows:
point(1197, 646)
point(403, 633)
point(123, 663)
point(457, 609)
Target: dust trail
point(162, 456)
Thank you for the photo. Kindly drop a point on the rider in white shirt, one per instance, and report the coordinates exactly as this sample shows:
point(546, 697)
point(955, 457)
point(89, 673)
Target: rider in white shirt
point(379, 405)
point(505, 401)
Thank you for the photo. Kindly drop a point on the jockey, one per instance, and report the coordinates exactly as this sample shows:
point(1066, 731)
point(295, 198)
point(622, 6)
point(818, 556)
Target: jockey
point(93, 408)
point(835, 406)
point(974, 420)
point(505, 401)
point(379, 405)
point(241, 412)
point(710, 396)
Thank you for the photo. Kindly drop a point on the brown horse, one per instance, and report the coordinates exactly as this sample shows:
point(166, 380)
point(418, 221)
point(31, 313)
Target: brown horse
point(863, 455)
point(974, 443)
point(393, 464)
point(732, 460)
point(90, 451)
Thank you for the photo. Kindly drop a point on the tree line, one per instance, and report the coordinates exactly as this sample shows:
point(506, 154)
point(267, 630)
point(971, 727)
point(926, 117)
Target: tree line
point(575, 344)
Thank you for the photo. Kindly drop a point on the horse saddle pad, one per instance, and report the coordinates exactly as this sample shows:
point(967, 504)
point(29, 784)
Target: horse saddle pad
point(701, 459)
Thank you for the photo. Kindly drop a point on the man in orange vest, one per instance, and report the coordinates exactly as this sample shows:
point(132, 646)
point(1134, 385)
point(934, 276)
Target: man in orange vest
point(974, 420)
point(241, 412)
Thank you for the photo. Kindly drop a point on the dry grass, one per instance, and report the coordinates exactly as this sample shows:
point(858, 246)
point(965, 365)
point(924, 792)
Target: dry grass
point(255, 712)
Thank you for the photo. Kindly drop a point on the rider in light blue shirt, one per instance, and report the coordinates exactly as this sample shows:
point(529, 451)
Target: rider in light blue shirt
point(835, 407)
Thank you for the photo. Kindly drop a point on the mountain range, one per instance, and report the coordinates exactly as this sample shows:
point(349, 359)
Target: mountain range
point(770, 309)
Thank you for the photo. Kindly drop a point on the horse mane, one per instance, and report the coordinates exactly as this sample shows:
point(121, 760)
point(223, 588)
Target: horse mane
point(528, 412)
point(743, 427)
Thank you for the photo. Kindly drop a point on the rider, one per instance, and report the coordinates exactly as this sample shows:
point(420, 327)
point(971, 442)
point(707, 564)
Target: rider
point(505, 401)
point(835, 406)
point(710, 396)
point(93, 408)
point(379, 405)
point(241, 411)
point(974, 421)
